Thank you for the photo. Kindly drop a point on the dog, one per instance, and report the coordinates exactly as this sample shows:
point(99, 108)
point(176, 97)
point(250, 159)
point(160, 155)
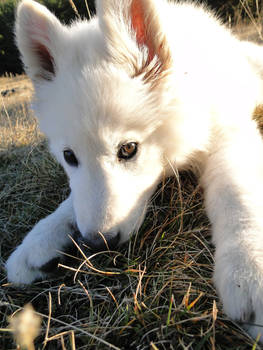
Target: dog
point(144, 87)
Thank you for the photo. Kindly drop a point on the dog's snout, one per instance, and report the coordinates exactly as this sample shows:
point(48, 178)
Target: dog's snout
point(98, 242)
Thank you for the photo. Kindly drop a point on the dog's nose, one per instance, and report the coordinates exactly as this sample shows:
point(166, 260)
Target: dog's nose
point(98, 242)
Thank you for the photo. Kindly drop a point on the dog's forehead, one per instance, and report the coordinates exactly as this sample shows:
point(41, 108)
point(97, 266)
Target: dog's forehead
point(109, 100)
point(97, 107)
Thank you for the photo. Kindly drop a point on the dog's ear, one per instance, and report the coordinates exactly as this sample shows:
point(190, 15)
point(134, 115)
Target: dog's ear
point(37, 31)
point(134, 36)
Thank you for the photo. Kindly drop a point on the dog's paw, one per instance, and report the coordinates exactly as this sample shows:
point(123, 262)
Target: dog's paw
point(28, 264)
point(240, 286)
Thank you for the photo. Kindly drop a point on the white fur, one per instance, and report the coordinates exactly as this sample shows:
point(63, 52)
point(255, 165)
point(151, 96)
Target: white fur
point(185, 89)
point(46, 241)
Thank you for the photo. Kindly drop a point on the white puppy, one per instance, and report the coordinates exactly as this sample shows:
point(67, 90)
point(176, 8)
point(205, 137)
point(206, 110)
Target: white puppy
point(144, 85)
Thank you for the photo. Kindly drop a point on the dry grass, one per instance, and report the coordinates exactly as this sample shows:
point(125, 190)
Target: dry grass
point(247, 20)
point(156, 293)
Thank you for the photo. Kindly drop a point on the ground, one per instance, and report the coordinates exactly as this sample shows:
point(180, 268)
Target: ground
point(156, 293)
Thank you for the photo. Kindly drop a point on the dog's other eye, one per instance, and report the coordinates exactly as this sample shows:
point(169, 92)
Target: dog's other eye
point(127, 150)
point(70, 157)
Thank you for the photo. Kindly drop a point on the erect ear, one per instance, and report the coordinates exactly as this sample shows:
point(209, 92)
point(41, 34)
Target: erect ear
point(37, 35)
point(135, 37)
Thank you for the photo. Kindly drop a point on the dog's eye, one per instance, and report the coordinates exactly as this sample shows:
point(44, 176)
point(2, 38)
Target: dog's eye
point(127, 150)
point(70, 157)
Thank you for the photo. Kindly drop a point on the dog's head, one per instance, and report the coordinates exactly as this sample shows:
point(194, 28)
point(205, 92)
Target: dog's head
point(104, 100)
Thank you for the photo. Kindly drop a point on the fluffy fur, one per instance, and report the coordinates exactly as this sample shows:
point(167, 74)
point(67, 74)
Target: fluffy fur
point(171, 78)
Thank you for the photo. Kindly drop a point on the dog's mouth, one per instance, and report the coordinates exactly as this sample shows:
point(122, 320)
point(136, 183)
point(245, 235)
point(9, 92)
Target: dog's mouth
point(97, 241)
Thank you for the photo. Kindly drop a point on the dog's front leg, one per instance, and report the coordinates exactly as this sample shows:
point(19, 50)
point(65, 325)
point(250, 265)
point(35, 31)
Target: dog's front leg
point(233, 182)
point(41, 246)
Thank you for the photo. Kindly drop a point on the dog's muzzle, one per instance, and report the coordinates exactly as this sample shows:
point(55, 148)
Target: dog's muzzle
point(98, 242)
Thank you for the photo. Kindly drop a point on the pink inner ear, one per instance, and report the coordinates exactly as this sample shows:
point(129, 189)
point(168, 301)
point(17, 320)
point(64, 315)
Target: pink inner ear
point(140, 27)
point(37, 32)
point(45, 58)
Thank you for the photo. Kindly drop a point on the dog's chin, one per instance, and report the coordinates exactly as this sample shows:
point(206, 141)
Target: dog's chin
point(104, 241)
point(98, 242)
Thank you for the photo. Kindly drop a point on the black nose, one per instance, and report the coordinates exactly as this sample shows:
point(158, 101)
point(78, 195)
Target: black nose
point(99, 242)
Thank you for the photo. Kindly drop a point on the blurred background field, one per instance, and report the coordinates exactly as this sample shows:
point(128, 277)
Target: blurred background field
point(157, 292)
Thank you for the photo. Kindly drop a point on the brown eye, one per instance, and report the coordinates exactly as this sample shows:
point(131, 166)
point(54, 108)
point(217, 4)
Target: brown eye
point(127, 150)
